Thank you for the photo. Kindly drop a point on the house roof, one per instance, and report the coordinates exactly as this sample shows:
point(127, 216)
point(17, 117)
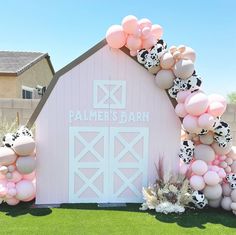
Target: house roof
point(14, 63)
point(70, 66)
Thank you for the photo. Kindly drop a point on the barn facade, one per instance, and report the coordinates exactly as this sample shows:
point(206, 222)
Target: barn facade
point(100, 130)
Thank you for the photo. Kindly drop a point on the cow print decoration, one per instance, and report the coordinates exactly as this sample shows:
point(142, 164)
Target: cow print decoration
point(9, 139)
point(24, 131)
point(222, 134)
point(186, 151)
point(199, 200)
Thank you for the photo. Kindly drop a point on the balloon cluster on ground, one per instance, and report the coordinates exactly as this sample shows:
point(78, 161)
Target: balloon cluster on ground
point(207, 156)
point(17, 167)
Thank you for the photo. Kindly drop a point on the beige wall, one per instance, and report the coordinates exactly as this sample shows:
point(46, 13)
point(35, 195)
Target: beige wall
point(39, 74)
point(8, 87)
point(10, 107)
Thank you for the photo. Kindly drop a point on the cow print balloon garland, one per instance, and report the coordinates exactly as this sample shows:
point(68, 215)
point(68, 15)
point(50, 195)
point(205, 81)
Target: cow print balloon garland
point(206, 152)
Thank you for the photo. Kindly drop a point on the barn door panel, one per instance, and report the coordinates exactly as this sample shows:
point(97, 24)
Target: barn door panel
point(128, 163)
point(88, 164)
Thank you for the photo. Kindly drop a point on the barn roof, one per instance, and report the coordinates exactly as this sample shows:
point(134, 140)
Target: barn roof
point(14, 63)
point(67, 68)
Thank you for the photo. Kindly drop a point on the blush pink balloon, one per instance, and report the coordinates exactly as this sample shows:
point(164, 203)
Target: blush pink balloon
point(149, 42)
point(30, 176)
point(11, 192)
point(199, 167)
point(180, 110)
point(197, 182)
point(182, 96)
point(16, 177)
point(29, 199)
point(196, 103)
point(183, 69)
point(133, 53)
point(133, 43)
point(206, 121)
point(11, 185)
point(217, 98)
point(144, 23)
point(216, 109)
point(130, 24)
point(167, 60)
point(146, 32)
point(12, 201)
point(190, 124)
point(25, 189)
point(116, 37)
point(183, 169)
point(211, 178)
point(189, 53)
point(157, 31)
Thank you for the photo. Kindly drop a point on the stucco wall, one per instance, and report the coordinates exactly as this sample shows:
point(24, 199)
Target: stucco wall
point(38, 74)
point(10, 107)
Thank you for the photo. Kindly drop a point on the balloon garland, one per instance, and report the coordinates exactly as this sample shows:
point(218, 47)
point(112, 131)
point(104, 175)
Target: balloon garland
point(206, 153)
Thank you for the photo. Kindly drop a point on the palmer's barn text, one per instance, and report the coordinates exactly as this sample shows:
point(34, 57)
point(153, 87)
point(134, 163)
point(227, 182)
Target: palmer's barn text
point(115, 116)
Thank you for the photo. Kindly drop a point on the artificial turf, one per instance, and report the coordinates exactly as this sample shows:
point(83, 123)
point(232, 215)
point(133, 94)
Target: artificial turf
point(88, 219)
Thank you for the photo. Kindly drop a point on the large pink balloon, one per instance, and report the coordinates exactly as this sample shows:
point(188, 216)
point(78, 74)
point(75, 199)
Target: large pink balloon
point(26, 165)
point(130, 24)
point(164, 79)
point(149, 42)
point(182, 96)
point(218, 98)
point(196, 103)
point(190, 124)
point(116, 37)
point(157, 31)
point(24, 145)
point(180, 110)
point(16, 177)
point(197, 182)
point(199, 167)
point(133, 43)
point(211, 178)
point(167, 60)
point(206, 121)
point(7, 156)
point(25, 189)
point(213, 192)
point(216, 108)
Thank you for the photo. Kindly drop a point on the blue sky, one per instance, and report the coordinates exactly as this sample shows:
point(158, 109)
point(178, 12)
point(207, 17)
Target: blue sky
point(66, 29)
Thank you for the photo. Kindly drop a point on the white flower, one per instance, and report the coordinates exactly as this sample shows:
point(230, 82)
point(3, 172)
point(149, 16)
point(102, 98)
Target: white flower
point(167, 207)
point(173, 189)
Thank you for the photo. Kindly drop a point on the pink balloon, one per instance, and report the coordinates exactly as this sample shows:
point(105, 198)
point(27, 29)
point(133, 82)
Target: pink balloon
point(183, 169)
point(182, 96)
point(190, 124)
point(25, 189)
point(216, 109)
point(204, 152)
point(146, 32)
point(116, 37)
point(217, 98)
point(196, 103)
point(30, 176)
point(11, 192)
point(11, 185)
point(133, 43)
point(29, 199)
point(149, 42)
point(197, 182)
point(211, 178)
point(180, 110)
point(130, 24)
point(183, 69)
point(144, 23)
point(157, 31)
point(189, 53)
point(199, 167)
point(12, 201)
point(133, 53)
point(206, 121)
point(16, 177)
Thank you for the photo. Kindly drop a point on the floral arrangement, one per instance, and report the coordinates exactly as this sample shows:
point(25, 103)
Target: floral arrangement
point(168, 195)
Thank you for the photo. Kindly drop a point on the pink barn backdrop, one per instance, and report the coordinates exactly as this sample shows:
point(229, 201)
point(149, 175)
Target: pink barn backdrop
point(101, 131)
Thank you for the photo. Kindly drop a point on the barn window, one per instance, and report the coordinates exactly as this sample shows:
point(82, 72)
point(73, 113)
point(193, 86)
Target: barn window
point(27, 92)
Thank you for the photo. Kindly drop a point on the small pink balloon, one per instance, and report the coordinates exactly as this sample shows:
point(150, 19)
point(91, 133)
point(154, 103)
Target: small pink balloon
point(222, 174)
point(190, 124)
point(167, 60)
point(199, 167)
point(227, 169)
point(197, 182)
point(217, 98)
point(116, 37)
point(180, 110)
point(206, 121)
point(216, 109)
point(215, 168)
point(157, 31)
point(12, 201)
point(133, 53)
point(223, 164)
point(222, 158)
point(211, 178)
point(144, 23)
point(216, 162)
point(133, 43)
point(229, 161)
point(182, 95)
point(189, 53)
point(11, 192)
point(30, 176)
point(149, 42)
point(130, 24)
point(196, 103)
point(11, 185)
point(16, 177)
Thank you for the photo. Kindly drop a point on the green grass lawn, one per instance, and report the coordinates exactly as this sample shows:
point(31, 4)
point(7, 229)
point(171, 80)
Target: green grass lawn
point(89, 219)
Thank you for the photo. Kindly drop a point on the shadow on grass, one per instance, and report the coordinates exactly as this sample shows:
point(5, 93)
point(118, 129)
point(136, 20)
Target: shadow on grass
point(199, 218)
point(24, 208)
